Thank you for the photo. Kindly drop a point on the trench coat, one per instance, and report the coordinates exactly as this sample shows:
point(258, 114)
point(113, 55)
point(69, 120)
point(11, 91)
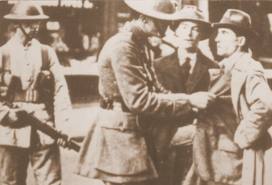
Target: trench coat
point(251, 101)
point(175, 161)
point(117, 149)
point(238, 153)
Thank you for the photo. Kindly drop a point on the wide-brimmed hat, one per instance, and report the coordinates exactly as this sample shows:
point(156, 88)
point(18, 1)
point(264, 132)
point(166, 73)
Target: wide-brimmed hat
point(26, 11)
point(193, 14)
point(157, 9)
point(237, 20)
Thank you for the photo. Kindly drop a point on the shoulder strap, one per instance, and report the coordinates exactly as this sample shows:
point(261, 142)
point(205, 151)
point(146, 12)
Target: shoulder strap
point(45, 58)
point(5, 65)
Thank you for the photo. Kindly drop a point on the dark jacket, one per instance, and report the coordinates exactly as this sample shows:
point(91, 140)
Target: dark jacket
point(116, 150)
point(175, 162)
point(171, 74)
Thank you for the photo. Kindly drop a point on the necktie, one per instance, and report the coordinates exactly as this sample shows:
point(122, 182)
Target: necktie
point(186, 69)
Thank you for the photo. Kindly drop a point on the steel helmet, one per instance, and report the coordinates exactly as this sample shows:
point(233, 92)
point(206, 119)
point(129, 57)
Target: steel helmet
point(26, 11)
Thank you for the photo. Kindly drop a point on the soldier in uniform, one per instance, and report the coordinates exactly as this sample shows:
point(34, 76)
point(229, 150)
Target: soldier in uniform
point(31, 80)
point(120, 149)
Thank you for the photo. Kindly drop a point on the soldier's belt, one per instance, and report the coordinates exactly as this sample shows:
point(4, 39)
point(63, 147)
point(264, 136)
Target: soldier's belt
point(26, 96)
point(116, 119)
point(111, 104)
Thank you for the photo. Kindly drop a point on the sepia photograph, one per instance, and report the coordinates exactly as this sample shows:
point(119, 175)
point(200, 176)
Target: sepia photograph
point(135, 92)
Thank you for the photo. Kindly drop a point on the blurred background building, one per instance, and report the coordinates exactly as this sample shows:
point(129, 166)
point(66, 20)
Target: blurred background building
point(80, 27)
point(77, 30)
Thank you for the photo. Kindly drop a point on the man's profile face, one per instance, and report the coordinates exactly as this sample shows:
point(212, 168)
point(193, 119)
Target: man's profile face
point(226, 42)
point(188, 34)
point(31, 28)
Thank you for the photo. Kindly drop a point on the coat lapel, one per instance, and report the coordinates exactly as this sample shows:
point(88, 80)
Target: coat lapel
point(170, 73)
point(237, 81)
point(199, 70)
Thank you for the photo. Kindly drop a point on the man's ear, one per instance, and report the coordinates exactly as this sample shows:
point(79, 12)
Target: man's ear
point(241, 41)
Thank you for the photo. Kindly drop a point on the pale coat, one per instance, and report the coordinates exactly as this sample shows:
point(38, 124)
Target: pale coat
point(251, 100)
point(26, 62)
point(244, 129)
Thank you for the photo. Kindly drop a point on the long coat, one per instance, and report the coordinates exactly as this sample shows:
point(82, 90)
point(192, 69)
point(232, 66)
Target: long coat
point(251, 100)
point(116, 149)
point(236, 154)
point(175, 163)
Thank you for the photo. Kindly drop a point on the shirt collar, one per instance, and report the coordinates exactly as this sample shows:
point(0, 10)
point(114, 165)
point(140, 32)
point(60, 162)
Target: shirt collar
point(183, 55)
point(228, 63)
point(15, 41)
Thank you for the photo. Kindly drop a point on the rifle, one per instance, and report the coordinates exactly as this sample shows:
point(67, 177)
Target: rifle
point(46, 129)
point(25, 117)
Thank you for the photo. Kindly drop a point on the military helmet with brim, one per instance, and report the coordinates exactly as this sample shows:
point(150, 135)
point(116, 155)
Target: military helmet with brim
point(26, 11)
point(157, 9)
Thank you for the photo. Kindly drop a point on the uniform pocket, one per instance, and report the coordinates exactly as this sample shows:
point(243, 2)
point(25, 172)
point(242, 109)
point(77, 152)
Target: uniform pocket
point(122, 148)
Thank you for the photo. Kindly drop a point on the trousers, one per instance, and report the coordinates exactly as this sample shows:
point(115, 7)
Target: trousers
point(45, 162)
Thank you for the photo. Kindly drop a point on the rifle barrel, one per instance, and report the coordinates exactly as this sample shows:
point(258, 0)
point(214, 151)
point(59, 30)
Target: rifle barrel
point(37, 124)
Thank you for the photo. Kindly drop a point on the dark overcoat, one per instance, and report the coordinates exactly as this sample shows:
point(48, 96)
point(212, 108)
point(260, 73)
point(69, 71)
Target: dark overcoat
point(171, 75)
point(175, 161)
point(117, 149)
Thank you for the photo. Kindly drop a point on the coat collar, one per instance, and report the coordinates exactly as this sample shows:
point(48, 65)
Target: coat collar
point(138, 34)
point(199, 70)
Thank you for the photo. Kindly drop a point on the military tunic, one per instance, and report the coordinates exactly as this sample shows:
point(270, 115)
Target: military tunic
point(117, 149)
point(19, 146)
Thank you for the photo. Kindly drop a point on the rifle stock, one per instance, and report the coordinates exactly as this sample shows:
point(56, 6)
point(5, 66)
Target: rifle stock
point(46, 129)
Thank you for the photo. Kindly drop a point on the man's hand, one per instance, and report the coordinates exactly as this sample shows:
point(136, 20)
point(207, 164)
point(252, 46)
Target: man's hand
point(62, 142)
point(201, 100)
point(12, 115)
point(3, 91)
point(13, 121)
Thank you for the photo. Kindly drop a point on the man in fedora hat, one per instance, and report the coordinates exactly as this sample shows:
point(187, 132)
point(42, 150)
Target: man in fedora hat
point(31, 79)
point(230, 146)
point(184, 71)
point(120, 149)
